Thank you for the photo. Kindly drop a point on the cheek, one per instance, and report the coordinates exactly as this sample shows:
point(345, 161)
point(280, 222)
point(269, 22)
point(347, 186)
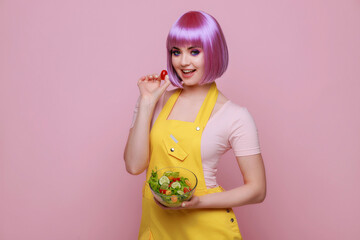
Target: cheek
point(200, 64)
point(173, 61)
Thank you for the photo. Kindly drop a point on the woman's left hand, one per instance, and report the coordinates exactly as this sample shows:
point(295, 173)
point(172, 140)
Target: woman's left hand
point(193, 203)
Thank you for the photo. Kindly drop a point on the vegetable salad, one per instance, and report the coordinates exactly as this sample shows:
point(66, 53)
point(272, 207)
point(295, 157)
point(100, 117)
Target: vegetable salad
point(173, 187)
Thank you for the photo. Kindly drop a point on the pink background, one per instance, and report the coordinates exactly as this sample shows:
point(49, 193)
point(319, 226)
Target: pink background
point(68, 72)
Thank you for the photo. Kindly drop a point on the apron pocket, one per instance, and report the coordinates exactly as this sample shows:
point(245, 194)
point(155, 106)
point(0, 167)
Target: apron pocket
point(174, 149)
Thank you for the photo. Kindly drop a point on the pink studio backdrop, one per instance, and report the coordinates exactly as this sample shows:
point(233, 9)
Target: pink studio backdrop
point(68, 72)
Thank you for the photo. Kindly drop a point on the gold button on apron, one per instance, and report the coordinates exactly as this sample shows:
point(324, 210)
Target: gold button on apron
point(197, 128)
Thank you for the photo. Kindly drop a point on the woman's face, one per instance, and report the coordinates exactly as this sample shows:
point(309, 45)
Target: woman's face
point(188, 63)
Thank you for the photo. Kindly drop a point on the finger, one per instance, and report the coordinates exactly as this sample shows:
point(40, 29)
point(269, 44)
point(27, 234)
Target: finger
point(142, 78)
point(154, 76)
point(163, 87)
point(188, 204)
point(166, 83)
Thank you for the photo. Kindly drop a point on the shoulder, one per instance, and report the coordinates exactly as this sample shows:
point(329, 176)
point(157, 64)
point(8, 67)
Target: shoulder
point(237, 113)
point(167, 94)
point(230, 107)
point(164, 98)
point(231, 111)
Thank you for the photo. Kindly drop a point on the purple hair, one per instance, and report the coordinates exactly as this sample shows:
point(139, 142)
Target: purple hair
point(197, 28)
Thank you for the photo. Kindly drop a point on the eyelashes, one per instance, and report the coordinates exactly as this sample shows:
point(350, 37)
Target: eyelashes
point(175, 52)
point(193, 52)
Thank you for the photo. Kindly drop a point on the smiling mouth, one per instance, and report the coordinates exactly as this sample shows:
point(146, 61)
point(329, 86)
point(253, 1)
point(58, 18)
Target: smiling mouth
point(188, 71)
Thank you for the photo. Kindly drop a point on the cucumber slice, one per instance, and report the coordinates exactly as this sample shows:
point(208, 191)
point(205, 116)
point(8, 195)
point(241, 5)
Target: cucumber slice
point(180, 192)
point(175, 185)
point(163, 180)
point(164, 186)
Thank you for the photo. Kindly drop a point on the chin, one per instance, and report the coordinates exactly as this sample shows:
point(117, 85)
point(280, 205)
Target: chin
point(190, 82)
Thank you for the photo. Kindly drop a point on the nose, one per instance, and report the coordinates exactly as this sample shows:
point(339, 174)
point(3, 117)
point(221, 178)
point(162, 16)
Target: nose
point(185, 60)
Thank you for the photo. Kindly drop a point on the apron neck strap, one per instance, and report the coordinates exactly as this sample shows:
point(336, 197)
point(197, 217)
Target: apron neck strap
point(205, 110)
point(169, 105)
point(207, 106)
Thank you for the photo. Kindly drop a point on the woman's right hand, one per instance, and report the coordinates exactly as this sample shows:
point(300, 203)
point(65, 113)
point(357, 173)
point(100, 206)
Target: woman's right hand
point(136, 154)
point(151, 89)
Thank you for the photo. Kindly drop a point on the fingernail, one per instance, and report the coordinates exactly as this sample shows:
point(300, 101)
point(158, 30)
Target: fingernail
point(156, 76)
point(183, 204)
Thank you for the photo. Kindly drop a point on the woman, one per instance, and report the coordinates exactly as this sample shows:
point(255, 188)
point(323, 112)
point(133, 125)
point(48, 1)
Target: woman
point(205, 125)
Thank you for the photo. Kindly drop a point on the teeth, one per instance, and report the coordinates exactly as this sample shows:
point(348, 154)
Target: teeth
point(188, 71)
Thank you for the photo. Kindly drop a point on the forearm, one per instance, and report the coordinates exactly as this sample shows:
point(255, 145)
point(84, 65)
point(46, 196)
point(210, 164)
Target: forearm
point(136, 153)
point(246, 194)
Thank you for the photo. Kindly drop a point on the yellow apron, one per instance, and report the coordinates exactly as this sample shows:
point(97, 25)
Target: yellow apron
point(184, 224)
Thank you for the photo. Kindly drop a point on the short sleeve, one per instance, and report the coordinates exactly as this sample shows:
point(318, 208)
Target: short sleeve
point(243, 134)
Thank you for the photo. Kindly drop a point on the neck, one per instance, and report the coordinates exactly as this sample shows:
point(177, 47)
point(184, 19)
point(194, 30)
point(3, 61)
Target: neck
point(196, 90)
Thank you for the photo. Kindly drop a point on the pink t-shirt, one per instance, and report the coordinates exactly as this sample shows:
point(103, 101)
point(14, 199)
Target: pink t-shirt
point(231, 126)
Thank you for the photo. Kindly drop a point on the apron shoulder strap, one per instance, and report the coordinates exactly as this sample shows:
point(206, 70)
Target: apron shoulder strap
point(207, 106)
point(163, 115)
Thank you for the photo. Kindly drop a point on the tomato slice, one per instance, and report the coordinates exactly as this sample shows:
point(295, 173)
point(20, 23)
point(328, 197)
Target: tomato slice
point(186, 190)
point(174, 198)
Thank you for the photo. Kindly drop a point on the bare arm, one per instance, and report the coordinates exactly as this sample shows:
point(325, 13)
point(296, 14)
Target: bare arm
point(253, 190)
point(136, 153)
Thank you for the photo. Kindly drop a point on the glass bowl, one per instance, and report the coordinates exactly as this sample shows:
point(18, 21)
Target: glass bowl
point(169, 193)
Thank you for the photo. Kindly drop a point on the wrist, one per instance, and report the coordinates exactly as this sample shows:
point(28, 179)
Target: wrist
point(147, 102)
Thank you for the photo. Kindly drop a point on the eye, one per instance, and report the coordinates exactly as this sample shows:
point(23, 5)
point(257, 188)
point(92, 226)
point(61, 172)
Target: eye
point(195, 52)
point(175, 52)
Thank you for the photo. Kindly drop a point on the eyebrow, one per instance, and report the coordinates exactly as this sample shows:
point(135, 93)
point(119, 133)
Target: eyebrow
point(188, 47)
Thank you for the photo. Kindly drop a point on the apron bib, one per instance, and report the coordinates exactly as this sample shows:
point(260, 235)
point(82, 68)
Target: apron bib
point(184, 224)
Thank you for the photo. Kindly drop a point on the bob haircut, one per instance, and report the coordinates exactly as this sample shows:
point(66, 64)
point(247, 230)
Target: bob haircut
point(197, 28)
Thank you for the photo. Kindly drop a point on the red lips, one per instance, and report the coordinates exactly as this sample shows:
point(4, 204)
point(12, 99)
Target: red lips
point(163, 74)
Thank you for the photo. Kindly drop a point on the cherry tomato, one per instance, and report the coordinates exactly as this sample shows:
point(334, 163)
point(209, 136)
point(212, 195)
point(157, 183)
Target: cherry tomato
point(163, 74)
